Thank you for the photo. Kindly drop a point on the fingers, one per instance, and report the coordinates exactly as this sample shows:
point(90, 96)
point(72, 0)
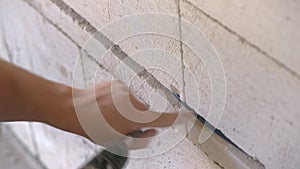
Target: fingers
point(147, 134)
point(168, 119)
point(143, 134)
point(137, 104)
point(126, 94)
point(164, 120)
point(136, 112)
point(142, 139)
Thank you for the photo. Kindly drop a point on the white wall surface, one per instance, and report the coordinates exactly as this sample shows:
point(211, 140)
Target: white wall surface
point(258, 43)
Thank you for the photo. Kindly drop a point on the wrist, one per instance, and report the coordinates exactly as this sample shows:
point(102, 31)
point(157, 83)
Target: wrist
point(56, 103)
point(60, 113)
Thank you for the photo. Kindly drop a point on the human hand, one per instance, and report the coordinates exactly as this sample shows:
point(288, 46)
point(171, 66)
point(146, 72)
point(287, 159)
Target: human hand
point(27, 97)
point(108, 112)
point(121, 113)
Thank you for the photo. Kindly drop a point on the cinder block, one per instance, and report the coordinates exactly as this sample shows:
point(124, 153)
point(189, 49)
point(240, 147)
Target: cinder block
point(184, 155)
point(47, 8)
point(114, 8)
point(12, 43)
point(23, 131)
point(60, 15)
point(198, 92)
point(50, 53)
point(271, 25)
point(4, 57)
point(92, 71)
point(13, 155)
point(259, 94)
point(161, 57)
point(101, 13)
point(59, 149)
point(4, 48)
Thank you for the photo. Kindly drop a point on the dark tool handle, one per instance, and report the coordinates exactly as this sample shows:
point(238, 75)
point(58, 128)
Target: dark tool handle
point(114, 157)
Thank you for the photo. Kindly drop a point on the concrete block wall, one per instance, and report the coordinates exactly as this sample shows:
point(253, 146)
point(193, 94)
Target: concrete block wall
point(261, 111)
point(54, 148)
point(257, 41)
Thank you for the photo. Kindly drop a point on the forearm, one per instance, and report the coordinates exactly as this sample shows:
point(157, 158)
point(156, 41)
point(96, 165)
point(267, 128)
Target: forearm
point(27, 97)
point(22, 94)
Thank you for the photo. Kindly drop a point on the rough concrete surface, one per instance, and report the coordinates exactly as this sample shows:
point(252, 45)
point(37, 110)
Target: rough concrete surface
point(26, 136)
point(57, 149)
point(261, 71)
point(259, 94)
point(13, 155)
point(270, 26)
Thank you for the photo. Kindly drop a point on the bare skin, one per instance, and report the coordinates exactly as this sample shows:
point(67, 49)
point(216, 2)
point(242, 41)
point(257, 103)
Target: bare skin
point(27, 97)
